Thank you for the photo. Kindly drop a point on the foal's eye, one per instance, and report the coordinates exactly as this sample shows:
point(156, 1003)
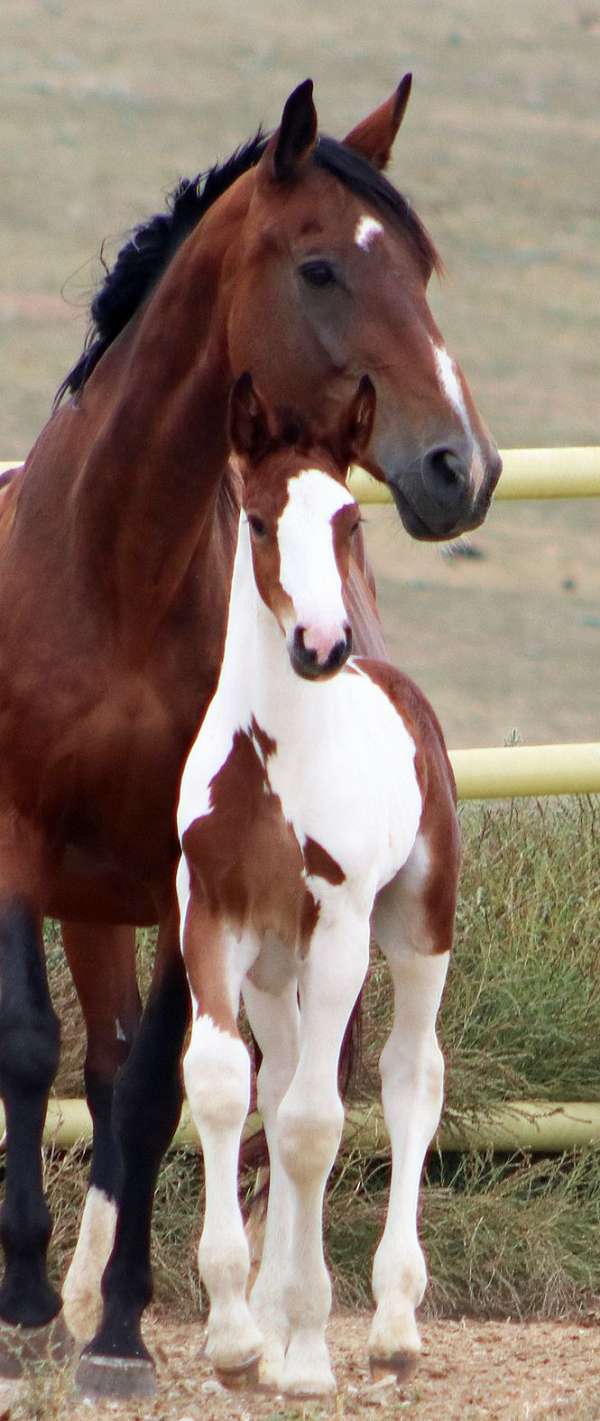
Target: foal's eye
point(318, 273)
point(355, 526)
point(257, 525)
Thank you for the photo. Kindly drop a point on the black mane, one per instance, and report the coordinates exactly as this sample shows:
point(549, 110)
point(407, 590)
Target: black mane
point(151, 246)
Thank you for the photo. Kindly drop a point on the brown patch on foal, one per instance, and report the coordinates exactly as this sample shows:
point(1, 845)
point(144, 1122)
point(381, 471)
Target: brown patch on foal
point(321, 864)
point(435, 777)
point(244, 857)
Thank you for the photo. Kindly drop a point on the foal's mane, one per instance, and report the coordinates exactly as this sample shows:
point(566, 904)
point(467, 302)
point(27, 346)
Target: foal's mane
point(152, 245)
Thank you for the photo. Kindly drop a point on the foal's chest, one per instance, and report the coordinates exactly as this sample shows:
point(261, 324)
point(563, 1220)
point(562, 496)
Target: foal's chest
point(289, 809)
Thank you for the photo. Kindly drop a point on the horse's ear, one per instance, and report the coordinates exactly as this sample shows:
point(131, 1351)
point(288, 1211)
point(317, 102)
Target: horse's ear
point(248, 424)
point(296, 136)
point(374, 137)
point(358, 421)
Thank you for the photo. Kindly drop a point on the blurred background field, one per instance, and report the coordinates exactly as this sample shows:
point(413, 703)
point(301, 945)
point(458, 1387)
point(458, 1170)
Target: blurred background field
point(103, 108)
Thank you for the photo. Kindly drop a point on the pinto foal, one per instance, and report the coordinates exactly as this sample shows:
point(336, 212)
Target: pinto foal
point(317, 790)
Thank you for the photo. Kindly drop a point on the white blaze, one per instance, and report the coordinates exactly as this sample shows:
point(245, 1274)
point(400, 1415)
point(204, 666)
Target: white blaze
point(308, 569)
point(366, 230)
point(452, 388)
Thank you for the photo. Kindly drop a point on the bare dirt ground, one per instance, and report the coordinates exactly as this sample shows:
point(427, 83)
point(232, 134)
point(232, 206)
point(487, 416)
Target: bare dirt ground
point(469, 1371)
point(103, 107)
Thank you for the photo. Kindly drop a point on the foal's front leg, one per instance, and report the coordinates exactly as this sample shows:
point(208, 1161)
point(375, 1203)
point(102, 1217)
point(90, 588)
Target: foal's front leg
point(216, 1071)
point(412, 1073)
point(309, 1127)
point(275, 1022)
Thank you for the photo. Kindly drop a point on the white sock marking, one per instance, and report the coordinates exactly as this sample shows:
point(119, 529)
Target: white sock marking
point(81, 1289)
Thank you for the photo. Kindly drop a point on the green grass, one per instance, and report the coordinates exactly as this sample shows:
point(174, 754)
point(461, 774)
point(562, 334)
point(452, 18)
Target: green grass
point(511, 1237)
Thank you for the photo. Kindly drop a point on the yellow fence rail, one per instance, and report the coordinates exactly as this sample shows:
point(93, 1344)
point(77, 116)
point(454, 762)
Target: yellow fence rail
point(527, 473)
point(543, 1126)
point(515, 771)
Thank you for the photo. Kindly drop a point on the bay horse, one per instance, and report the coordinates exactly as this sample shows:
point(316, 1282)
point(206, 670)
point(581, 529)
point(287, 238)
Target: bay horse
point(317, 795)
point(299, 260)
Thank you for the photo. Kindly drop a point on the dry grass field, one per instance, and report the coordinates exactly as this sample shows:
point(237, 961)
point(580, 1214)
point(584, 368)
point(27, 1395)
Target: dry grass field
point(103, 108)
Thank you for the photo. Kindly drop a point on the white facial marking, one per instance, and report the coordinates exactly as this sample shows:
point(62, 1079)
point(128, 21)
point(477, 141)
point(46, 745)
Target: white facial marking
point(119, 1033)
point(452, 388)
point(308, 570)
point(366, 230)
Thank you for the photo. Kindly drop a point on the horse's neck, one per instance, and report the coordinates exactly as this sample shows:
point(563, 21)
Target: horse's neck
point(152, 481)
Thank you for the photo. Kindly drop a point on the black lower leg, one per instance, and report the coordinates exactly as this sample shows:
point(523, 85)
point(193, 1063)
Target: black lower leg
point(147, 1103)
point(29, 1049)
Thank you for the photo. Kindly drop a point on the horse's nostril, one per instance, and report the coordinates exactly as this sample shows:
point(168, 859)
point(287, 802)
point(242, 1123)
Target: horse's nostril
point(447, 467)
point(445, 474)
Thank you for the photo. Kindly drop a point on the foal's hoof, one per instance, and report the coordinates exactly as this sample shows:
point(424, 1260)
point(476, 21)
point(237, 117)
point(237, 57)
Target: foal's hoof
point(401, 1365)
point(241, 1378)
point(115, 1378)
point(22, 1346)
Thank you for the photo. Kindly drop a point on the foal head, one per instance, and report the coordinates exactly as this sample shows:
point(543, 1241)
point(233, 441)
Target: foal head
point(301, 520)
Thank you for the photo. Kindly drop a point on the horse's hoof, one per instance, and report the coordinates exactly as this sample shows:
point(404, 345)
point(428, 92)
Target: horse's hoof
point(241, 1378)
point(22, 1346)
point(115, 1378)
point(401, 1365)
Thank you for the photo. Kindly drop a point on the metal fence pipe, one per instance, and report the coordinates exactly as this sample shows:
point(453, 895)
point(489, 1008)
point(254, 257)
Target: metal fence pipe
point(527, 473)
point(513, 771)
point(543, 1127)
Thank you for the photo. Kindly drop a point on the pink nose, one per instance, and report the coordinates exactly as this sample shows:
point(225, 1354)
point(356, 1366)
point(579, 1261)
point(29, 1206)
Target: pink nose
point(319, 653)
point(322, 640)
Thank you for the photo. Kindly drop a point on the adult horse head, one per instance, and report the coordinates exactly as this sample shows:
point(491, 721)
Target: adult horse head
point(322, 269)
point(340, 255)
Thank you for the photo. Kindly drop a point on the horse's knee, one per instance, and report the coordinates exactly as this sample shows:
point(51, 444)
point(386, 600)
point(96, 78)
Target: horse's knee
point(29, 1048)
point(216, 1071)
point(309, 1138)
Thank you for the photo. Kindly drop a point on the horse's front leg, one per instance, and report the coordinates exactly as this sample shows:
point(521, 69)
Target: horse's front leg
point(217, 1081)
point(29, 1049)
point(275, 1021)
point(102, 963)
point(309, 1127)
point(147, 1105)
point(412, 1073)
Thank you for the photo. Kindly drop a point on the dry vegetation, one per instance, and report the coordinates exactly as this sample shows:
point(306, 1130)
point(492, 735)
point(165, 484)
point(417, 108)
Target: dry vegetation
point(509, 1237)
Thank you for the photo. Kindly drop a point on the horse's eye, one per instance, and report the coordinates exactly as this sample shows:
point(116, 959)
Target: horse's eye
point(355, 526)
point(257, 525)
point(318, 273)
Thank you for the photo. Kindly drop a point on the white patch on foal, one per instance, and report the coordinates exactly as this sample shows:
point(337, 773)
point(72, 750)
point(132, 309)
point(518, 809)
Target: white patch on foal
point(366, 231)
point(81, 1289)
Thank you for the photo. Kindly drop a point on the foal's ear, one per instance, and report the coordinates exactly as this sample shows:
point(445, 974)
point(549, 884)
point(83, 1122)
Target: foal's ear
point(374, 137)
point(358, 422)
point(248, 425)
point(296, 136)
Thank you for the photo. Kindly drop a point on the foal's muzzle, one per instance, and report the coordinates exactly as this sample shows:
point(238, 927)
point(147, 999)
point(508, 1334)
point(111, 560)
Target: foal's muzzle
point(306, 661)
